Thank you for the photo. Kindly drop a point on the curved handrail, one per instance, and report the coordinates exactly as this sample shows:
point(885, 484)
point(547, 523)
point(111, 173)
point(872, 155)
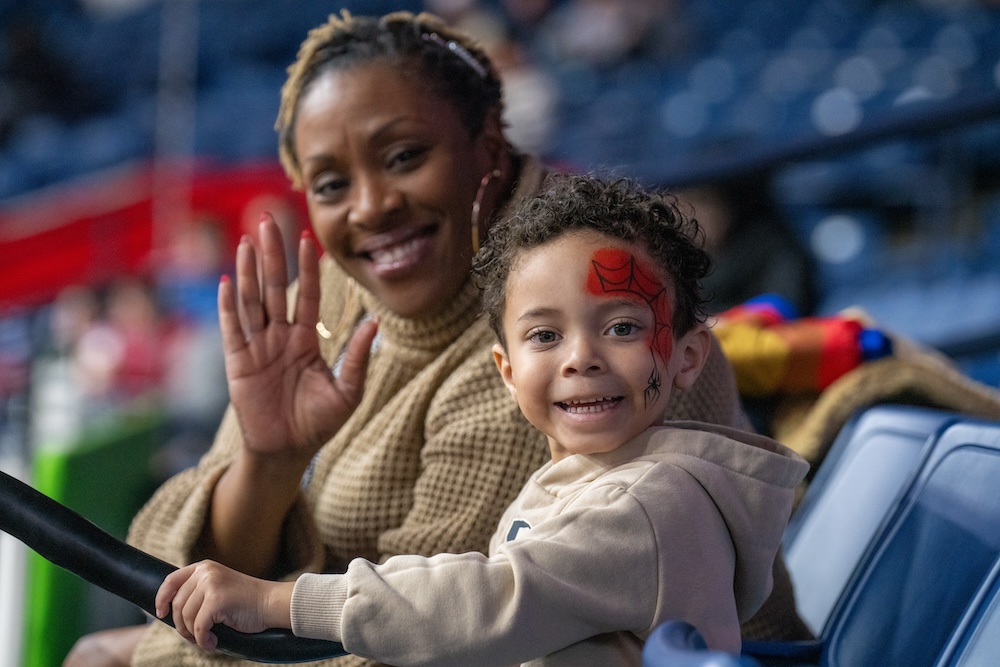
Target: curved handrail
point(74, 543)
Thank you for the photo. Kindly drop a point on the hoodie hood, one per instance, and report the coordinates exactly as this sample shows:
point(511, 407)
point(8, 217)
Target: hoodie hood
point(751, 479)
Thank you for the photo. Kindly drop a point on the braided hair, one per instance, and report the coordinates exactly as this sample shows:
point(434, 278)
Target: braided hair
point(448, 62)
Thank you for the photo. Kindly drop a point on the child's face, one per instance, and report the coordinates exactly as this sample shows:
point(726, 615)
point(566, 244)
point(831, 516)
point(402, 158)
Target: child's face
point(591, 356)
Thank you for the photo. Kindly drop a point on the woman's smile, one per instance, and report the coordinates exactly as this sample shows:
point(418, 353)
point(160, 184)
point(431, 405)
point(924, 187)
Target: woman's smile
point(393, 255)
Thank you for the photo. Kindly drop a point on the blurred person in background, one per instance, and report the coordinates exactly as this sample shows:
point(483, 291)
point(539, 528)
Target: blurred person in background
point(754, 250)
point(603, 34)
point(287, 219)
point(57, 397)
point(74, 310)
point(530, 93)
point(393, 127)
point(121, 358)
point(194, 385)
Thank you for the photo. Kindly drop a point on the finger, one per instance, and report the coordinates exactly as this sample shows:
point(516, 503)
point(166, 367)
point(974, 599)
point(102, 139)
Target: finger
point(186, 583)
point(233, 338)
point(203, 624)
point(275, 270)
point(168, 589)
point(192, 598)
point(352, 372)
point(177, 616)
point(248, 288)
point(307, 301)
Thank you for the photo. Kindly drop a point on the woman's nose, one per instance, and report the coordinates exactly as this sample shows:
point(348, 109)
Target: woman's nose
point(371, 199)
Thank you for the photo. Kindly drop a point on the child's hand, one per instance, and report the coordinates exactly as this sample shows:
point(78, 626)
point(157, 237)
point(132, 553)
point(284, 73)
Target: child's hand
point(206, 593)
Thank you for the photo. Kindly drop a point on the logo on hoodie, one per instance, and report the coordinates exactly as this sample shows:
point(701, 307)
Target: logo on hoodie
point(517, 527)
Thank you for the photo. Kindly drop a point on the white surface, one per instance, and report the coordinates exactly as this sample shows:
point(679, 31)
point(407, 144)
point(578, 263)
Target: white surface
point(13, 563)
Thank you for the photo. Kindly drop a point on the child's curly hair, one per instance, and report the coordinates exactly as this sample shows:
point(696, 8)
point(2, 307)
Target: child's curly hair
point(618, 208)
point(447, 62)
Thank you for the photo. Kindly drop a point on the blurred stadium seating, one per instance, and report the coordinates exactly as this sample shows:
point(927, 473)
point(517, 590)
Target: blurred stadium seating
point(859, 481)
point(901, 607)
point(877, 122)
point(924, 591)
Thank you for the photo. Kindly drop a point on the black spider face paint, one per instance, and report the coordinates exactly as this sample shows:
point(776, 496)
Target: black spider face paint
point(617, 271)
point(653, 387)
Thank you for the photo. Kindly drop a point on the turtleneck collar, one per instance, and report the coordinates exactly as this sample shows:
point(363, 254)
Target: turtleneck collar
point(425, 333)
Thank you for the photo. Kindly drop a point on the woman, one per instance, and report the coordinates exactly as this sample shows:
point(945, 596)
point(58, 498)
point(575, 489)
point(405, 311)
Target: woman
point(393, 128)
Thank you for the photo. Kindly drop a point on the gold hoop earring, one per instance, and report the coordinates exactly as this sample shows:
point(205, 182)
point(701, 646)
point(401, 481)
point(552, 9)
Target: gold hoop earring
point(477, 204)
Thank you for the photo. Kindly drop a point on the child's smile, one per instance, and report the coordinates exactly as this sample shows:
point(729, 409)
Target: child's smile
point(587, 359)
point(589, 406)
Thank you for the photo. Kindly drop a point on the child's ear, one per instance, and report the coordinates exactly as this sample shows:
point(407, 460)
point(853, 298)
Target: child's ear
point(502, 361)
point(694, 347)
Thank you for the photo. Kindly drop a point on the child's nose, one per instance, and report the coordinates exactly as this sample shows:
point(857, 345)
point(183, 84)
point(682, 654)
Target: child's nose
point(583, 357)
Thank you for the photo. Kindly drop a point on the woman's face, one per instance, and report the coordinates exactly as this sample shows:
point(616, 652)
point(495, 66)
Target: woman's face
point(390, 174)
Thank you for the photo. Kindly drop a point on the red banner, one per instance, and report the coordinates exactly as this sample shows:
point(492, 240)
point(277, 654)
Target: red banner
point(89, 231)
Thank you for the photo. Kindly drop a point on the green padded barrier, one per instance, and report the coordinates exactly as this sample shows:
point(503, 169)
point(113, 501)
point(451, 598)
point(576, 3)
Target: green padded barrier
point(105, 476)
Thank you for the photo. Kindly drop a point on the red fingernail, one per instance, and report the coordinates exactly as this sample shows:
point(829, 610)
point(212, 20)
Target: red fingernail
point(224, 278)
point(264, 216)
point(306, 235)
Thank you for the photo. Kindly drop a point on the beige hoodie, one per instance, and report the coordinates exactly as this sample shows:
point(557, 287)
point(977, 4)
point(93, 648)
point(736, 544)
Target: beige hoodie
point(682, 522)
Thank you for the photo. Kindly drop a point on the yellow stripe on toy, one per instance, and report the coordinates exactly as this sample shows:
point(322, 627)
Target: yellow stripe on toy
point(772, 352)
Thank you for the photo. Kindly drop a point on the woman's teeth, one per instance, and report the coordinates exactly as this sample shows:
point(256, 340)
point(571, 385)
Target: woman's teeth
point(396, 254)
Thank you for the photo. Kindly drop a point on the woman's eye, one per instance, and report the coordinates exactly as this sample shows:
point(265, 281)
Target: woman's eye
point(406, 158)
point(328, 188)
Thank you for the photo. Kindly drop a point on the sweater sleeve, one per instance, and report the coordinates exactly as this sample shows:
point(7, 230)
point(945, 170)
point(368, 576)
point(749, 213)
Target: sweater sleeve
point(478, 452)
point(580, 574)
point(171, 522)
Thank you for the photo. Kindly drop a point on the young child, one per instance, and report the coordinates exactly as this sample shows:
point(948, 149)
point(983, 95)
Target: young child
point(593, 291)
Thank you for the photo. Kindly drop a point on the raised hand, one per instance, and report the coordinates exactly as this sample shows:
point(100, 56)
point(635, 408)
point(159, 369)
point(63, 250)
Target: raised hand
point(287, 401)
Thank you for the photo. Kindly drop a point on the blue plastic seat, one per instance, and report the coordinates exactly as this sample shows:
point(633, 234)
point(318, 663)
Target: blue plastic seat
point(859, 483)
point(925, 567)
point(679, 644)
point(856, 486)
point(976, 642)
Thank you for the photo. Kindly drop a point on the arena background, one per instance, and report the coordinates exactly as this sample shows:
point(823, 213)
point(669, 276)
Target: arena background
point(875, 125)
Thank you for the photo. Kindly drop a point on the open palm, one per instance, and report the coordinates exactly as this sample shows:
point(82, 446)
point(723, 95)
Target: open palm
point(287, 401)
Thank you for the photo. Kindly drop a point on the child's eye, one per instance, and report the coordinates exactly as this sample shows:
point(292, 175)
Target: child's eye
point(622, 329)
point(543, 337)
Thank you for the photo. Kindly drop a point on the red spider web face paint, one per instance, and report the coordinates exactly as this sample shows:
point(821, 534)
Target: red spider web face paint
point(617, 271)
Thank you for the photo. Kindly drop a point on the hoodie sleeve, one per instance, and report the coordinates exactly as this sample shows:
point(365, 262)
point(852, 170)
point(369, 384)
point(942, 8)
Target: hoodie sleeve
point(590, 570)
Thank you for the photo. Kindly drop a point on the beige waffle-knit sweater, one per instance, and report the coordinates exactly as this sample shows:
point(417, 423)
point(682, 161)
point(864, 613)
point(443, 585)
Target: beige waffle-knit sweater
point(431, 458)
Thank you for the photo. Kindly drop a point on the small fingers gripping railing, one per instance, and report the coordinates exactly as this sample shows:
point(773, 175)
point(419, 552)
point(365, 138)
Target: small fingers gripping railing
point(70, 541)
